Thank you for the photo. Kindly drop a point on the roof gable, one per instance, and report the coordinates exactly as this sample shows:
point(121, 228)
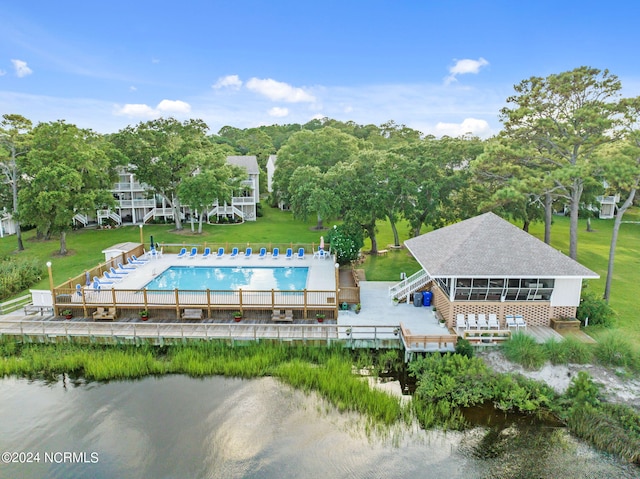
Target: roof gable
point(489, 246)
point(250, 163)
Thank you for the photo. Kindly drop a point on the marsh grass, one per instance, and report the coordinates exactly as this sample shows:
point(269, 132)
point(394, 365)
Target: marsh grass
point(327, 371)
point(570, 350)
point(614, 350)
point(524, 350)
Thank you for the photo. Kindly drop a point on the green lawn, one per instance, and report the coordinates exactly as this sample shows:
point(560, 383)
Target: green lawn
point(279, 227)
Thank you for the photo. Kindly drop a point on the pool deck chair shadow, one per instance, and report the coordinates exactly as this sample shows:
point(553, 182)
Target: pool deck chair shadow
point(276, 253)
point(182, 253)
point(207, 253)
point(234, 253)
point(220, 253)
point(289, 253)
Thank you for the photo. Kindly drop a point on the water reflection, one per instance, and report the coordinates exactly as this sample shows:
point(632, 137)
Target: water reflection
point(176, 426)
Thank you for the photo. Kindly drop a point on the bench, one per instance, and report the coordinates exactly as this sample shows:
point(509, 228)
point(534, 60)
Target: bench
point(383, 252)
point(104, 314)
point(278, 316)
point(192, 314)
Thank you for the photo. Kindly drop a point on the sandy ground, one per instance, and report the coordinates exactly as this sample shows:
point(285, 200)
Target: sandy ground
point(616, 387)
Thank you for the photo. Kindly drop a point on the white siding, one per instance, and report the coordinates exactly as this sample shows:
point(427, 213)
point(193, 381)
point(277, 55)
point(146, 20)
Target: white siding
point(566, 292)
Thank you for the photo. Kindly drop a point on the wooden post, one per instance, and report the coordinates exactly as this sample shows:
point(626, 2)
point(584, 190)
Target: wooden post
point(273, 299)
point(304, 314)
point(53, 295)
point(177, 303)
point(144, 297)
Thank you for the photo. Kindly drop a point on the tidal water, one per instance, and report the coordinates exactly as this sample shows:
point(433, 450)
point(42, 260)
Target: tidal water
point(180, 427)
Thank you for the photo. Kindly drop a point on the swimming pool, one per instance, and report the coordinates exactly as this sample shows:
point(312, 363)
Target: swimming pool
point(231, 278)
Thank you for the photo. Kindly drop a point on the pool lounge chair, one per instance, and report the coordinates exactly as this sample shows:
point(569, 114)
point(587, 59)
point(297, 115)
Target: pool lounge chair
point(234, 253)
point(135, 263)
point(289, 253)
point(520, 322)
point(141, 260)
point(182, 253)
point(101, 282)
point(220, 253)
point(263, 253)
point(461, 324)
point(471, 321)
point(300, 254)
point(118, 273)
point(194, 253)
point(111, 278)
point(493, 321)
point(207, 253)
point(247, 253)
point(482, 321)
point(511, 321)
point(276, 253)
point(122, 267)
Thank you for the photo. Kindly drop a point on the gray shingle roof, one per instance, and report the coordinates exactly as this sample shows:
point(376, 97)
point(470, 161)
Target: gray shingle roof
point(488, 246)
point(250, 163)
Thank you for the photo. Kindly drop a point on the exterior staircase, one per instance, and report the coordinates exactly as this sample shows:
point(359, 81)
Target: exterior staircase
point(404, 288)
point(103, 214)
point(82, 219)
point(225, 210)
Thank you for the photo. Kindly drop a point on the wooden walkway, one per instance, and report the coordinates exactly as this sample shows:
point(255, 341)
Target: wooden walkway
point(158, 332)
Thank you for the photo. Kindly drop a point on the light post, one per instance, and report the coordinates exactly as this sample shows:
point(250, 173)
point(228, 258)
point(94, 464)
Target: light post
point(337, 265)
point(141, 235)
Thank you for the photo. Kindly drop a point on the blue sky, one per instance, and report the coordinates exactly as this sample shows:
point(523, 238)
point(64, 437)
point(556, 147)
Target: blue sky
point(439, 67)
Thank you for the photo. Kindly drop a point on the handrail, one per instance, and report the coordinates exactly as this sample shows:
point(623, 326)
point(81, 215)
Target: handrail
point(416, 280)
point(14, 304)
point(250, 331)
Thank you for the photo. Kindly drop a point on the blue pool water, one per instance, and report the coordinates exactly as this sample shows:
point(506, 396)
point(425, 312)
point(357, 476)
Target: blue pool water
point(230, 278)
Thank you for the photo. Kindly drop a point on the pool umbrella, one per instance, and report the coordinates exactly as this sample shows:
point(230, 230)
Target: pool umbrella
point(321, 242)
point(87, 278)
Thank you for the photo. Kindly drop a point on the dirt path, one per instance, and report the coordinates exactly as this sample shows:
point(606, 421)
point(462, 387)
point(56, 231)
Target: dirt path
point(615, 387)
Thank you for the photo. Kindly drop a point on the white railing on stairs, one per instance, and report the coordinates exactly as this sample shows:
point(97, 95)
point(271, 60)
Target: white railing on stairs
point(407, 286)
point(81, 218)
point(149, 215)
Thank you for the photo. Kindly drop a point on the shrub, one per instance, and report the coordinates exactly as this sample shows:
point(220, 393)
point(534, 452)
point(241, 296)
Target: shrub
point(583, 390)
point(524, 350)
point(568, 351)
point(613, 350)
point(346, 241)
point(464, 347)
point(18, 275)
point(596, 309)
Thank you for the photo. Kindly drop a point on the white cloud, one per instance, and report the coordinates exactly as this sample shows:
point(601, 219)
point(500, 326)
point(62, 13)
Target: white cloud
point(137, 110)
point(173, 106)
point(463, 67)
point(278, 112)
point(279, 91)
point(21, 68)
point(469, 125)
point(133, 88)
point(229, 81)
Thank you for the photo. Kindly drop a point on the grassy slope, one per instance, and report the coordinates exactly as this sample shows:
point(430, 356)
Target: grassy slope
point(280, 227)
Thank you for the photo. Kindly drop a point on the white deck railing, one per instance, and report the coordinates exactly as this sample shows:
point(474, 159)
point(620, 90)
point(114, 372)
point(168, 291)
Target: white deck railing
point(407, 286)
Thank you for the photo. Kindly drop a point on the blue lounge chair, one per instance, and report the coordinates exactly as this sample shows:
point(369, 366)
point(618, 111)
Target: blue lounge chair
point(117, 273)
point(247, 253)
point(276, 253)
point(300, 254)
point(207, 253)
point(182, 253)
point(220, 253)
point(134, 263)
point(234, 253)
point(78, 290)
point(263, 253)
point(139, 259)
point(101, 281)
point(289, 253)
point(96, 284)
point(111, 278)
point(122, 267)
point(194, 253)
